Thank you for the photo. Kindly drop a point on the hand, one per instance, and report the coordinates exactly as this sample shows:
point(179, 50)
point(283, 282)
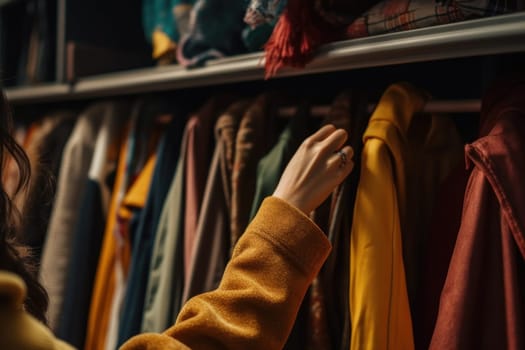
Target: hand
point(315, 169)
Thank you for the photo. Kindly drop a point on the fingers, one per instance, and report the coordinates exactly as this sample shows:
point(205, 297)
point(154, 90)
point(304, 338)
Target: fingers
point(322, 133)
point(350, 151)
point(335, 141)
point(342, 161)
point(316, 169)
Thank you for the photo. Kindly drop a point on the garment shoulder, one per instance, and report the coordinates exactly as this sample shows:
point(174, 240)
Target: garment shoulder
point(377, 181)
point(376, 152)
point(18, 329)
point(12, 289)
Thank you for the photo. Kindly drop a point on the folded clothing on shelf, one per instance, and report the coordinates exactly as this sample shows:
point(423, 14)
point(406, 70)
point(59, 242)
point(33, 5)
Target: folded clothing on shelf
point(399, 15)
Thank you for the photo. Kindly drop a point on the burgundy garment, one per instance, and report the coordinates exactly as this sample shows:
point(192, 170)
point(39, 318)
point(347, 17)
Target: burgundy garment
point(483, 300)
point(437, 252)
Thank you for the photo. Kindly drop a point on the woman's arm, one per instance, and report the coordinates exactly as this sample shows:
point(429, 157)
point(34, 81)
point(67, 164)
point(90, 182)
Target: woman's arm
point(272, 265)
point(262, 288)
point(263, 285)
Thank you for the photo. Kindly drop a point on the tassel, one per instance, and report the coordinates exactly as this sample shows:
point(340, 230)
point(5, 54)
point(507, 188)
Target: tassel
point(297, 34)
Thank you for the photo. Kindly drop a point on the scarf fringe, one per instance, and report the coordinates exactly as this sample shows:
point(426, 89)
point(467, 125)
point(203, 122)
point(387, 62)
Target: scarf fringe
point(296, 36)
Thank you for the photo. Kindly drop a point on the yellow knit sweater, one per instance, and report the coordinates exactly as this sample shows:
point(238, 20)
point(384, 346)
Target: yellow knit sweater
point(256, 303)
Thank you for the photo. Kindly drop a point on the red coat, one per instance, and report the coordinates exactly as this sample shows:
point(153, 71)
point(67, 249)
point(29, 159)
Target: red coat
point(483, 301)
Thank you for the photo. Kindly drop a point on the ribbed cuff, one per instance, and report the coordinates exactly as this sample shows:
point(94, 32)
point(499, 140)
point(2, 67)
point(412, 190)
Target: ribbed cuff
point(292, 231)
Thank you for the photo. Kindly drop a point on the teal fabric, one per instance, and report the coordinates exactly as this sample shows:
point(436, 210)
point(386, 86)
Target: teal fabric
point(166, 277)
point(272, 165)
point(256, 38)
point(161, 14)
point(215, 31)
point(168, 150)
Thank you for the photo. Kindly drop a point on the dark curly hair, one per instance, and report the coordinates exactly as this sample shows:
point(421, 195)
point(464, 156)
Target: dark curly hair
point(14, 257)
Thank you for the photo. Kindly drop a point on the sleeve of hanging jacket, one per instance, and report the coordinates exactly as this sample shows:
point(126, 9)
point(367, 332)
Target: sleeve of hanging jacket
point(264, 283)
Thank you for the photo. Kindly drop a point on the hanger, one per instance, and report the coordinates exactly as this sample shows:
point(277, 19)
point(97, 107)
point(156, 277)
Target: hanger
point(433, 106)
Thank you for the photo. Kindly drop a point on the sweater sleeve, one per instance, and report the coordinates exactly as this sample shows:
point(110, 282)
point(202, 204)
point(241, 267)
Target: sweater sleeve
point(257, 301)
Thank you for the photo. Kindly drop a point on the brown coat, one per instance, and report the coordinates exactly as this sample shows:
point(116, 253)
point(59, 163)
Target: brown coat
point(483, 301)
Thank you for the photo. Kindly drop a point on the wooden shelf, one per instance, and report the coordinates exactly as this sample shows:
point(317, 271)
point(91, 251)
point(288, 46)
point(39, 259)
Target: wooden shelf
point(487, 36)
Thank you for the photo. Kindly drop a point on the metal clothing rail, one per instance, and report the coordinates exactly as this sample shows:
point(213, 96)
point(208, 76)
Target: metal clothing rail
point(433, 106)
point(487, 36)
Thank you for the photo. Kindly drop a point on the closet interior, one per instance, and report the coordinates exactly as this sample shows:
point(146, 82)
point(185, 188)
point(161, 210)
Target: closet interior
point(164, 125)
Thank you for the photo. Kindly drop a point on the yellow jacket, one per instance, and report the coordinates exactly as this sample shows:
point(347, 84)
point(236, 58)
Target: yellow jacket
point(257, 301)
point(403, 161)
point(379, 309)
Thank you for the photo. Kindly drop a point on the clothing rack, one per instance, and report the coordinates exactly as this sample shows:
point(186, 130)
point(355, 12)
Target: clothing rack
point(435, 106)
point(105, 314)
